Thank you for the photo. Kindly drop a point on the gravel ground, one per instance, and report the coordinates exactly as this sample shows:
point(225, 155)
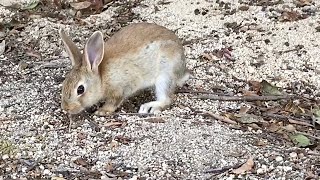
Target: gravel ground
point(179, 143)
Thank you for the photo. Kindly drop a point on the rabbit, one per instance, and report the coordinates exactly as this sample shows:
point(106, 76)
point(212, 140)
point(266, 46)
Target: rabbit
point(139, 56)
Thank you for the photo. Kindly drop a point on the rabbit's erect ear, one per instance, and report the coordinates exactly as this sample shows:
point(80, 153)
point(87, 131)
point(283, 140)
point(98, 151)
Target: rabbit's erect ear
point(94, 51)
point(72, 50)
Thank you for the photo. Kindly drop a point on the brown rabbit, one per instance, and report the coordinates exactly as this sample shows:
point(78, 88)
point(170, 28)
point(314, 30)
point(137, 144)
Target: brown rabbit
point(139, 56)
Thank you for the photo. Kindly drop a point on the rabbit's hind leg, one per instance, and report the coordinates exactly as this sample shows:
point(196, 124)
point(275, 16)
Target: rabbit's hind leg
point(164, 87)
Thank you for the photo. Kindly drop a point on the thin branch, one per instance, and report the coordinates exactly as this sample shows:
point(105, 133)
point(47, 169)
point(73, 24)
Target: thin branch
point(223, 169)
point(290, 119)
point(220, 118)
point(244, 98)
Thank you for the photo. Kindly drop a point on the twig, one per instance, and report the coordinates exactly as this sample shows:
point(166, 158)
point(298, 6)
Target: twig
point(307, 134)
point(292, 120)
point(299, 123)
point(223, 169)
point(220, 118)
point(244, 98)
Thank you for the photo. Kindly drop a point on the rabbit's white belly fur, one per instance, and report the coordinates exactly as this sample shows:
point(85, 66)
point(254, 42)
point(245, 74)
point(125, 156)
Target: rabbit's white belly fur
point(133, 72)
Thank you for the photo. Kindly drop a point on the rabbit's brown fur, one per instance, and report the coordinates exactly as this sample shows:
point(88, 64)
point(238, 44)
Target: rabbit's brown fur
point(138, 56)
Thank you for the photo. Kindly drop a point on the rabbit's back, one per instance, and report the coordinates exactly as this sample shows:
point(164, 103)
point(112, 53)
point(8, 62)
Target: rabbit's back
point(137, 55)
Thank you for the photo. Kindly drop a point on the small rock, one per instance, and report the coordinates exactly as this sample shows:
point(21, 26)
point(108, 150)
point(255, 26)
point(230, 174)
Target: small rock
point(46, 172)
point(279, 158)
point(260, 171)
point(6, 156)
point(22, 65)
point(287, 168)
point(293, 154)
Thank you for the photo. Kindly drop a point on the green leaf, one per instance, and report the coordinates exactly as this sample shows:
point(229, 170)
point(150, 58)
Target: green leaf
point(300, 140)
point(269, 89)
point(33, 4)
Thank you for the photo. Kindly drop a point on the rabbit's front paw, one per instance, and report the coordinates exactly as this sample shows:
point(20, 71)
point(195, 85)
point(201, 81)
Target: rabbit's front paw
point(153, 107)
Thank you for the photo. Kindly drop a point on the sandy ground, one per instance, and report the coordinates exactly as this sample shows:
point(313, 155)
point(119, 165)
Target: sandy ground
point(180, 143)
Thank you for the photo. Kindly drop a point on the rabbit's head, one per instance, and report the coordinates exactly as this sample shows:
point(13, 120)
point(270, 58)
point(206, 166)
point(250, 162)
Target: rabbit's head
point(82, 85)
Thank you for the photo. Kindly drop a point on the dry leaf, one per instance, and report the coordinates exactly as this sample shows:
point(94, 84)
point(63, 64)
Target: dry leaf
point(80, 5)
point(113, 124)
point(244, 109)
point(261, 142)
point(301, 3)
point(2, 47)
point(294, 108)
point(290, 16)
point(81, 161)
point(289, 128)
point(274, 127)
point(269, 89)
point(245, 167)
point(255, 85)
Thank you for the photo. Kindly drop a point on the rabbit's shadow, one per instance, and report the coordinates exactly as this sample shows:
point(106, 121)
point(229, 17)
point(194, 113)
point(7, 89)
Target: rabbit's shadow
point(130, 105)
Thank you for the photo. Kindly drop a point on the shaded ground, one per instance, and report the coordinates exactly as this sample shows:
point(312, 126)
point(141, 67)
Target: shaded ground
point(231, 48)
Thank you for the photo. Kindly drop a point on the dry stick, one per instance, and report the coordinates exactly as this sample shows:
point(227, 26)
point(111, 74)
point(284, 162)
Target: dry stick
point(292, 120)
point(243, 98)
point(220, 118)
point(223, 169)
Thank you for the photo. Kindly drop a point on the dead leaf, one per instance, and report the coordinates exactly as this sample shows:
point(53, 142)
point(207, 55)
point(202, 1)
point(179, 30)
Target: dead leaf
point(244, 109)
point(109, 167)
point(80, 5)
point(113, 124)
point(269, 89)
point(301, 3)
point(290, 16)
point(294, 108)
point(249, 118)
point(2, 47)
point(220, 118)
point(80, 161)
point(289, 128)
point(245, 167)
point(123, 139)
point(155, 120)
point(261, 142)
point(255, 85)
point(274, 127)
point(97, 4)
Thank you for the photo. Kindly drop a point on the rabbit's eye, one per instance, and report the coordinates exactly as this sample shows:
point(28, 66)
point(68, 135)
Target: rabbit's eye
point(80, 90)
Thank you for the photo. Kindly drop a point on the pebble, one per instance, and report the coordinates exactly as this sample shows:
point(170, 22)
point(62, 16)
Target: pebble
point(6, 156)
point(293, 154)
point(46, 172)
point(279, 158)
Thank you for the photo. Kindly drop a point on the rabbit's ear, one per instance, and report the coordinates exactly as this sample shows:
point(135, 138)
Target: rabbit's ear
point(94, 51)
point(72, 50)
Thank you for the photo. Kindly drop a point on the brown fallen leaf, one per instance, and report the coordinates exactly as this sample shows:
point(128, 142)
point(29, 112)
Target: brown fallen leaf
point(245, 167)
point(80, 5)
point(290, 16)
point(244, 109)
point(301, 3)
point(113, 124)
point(81, 161)
point(155, 120)
point(256, 86)
point(220, 118)
point(294, 108)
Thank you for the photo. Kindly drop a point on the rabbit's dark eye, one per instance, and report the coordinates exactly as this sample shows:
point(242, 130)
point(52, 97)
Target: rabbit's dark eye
point(80, 90)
